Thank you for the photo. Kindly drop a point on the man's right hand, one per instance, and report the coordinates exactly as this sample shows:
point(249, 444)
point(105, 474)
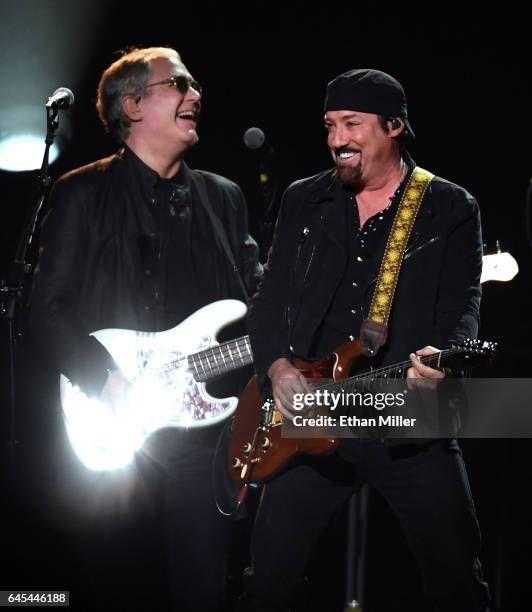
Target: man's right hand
point(114, 392)
point(286, 380)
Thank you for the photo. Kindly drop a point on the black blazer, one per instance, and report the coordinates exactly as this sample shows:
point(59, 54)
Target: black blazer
point(88, 272)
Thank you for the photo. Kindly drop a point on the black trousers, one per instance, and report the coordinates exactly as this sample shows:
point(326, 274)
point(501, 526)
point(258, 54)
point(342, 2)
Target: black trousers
point(196, 536)
point(427, 488)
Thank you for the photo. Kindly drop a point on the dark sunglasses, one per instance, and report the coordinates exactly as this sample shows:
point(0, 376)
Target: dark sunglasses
point(181, 83)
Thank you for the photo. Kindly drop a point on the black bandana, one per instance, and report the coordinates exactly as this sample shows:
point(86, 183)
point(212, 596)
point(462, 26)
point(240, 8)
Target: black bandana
point(368, 91)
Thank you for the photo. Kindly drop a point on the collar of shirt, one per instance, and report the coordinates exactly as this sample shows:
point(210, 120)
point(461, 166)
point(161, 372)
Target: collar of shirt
point(150, 178)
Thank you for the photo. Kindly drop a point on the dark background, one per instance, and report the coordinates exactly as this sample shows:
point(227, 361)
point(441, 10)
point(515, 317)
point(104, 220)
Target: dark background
point(467, 77)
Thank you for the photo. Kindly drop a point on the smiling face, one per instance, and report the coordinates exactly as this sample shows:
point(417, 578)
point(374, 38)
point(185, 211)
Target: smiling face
point(167, 117)
point(360, 147)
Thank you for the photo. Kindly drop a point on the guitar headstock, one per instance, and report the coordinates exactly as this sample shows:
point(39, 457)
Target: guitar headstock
point(470, 352)
point(499, 266)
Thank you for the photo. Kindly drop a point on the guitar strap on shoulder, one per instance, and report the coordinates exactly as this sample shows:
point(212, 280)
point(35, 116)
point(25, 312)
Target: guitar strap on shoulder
point(219, 229)
point(374, 329)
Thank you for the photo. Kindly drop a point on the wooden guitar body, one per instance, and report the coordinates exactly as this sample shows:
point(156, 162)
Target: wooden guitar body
point(257, 450)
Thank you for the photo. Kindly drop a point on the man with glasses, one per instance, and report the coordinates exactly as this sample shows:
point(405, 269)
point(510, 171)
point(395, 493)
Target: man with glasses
point(135, 241)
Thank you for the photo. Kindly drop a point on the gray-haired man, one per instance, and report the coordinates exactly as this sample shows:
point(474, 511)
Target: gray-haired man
point(130, 243)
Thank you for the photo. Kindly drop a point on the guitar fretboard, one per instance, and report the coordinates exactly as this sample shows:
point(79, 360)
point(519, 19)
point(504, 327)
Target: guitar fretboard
point(220, 359)
point(396, 371)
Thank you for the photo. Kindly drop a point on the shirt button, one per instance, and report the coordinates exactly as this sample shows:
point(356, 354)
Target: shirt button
point(351, 338)
point(146, 307)
point(153, 200)
point(354, 284)
point(359, 258)
point(353, 311)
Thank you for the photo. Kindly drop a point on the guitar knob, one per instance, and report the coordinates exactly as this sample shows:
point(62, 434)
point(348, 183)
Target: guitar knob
point(237, 463)
point(265, 442)
point(247, 447)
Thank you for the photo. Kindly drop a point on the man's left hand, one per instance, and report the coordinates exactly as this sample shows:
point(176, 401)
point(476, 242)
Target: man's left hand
point(426, 377)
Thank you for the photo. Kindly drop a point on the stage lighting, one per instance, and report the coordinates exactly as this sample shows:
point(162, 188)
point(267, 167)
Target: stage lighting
point(22, 134)
point(43, 46)
point(21, 151)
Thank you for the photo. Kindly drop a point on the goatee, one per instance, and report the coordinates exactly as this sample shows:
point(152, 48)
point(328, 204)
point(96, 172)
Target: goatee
point(349, 176)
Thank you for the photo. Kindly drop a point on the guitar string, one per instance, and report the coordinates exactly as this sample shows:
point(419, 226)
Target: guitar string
point(382, 373)
point(212, 360)
point(216, 357)
point(216, 351)
point(216, 369)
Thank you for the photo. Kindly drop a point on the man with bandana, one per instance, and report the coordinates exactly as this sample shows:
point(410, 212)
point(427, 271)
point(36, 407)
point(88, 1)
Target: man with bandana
point(315, 295)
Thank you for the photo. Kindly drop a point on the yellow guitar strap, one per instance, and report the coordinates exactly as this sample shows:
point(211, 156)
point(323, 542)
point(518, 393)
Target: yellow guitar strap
point(374, 330)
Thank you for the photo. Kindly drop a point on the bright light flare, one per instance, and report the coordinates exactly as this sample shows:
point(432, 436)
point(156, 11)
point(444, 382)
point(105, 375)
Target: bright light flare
point(20, 152)
point(105, 439)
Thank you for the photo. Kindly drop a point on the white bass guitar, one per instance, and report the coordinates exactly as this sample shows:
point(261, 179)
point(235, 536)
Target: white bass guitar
point(167, 372)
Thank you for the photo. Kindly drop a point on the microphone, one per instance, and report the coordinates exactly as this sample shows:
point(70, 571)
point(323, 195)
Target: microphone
point(254, 138)
point(62, 98)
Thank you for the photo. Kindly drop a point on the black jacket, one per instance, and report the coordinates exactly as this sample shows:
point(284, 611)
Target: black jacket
point(438, 294)
point(90, 271)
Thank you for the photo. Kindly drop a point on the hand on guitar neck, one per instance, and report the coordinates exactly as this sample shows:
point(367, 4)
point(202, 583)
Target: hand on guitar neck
point(424, 376)
point(288, 380)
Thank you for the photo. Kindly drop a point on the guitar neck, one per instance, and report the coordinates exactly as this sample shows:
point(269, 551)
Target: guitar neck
point(399, 370)
point(396, 371)
point(220, 359)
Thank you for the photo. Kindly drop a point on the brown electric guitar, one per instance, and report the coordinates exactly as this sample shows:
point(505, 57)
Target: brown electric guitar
point(257, 451)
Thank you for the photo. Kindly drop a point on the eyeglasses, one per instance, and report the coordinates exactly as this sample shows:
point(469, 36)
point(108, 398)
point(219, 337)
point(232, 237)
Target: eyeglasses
point(181, 83)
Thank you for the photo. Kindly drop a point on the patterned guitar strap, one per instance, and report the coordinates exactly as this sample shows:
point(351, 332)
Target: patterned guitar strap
point(374, 329)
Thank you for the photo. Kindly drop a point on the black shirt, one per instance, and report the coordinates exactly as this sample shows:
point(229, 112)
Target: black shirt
point(179, 260)
point(365, 248)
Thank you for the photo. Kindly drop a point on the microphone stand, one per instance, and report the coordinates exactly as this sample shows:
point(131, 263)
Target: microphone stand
point(12, 291)
point(268, 191)
point(357, 519)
